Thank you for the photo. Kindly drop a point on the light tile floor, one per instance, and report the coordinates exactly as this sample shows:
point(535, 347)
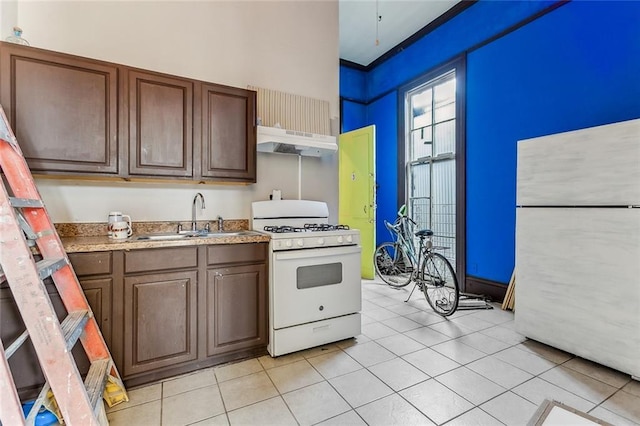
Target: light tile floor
point(409, 367)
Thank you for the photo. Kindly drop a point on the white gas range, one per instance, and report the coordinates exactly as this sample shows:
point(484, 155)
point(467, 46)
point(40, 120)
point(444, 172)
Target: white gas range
point(314, 275)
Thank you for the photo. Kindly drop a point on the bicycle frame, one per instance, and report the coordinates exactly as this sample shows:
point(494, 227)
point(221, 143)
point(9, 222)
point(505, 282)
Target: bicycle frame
point(399, 262)
point(402, 234)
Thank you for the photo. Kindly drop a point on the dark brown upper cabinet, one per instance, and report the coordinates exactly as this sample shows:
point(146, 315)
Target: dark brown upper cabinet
point(160, 125)
point(62, 108)
point(228, 139)
point(76, 116)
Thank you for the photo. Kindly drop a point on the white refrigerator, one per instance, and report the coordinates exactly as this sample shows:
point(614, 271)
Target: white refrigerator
point(578, 243)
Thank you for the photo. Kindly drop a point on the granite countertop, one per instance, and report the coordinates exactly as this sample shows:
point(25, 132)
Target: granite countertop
point(89, 244)
point(91, 237)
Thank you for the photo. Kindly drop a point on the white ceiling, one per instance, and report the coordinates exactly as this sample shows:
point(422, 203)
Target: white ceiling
point(400, 19)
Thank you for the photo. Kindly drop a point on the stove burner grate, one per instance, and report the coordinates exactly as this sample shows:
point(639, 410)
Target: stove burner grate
point(308, 227)
point(283, 229)
point(325, 227)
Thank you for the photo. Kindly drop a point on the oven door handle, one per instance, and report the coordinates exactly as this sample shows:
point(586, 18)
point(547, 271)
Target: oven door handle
point(315, 253)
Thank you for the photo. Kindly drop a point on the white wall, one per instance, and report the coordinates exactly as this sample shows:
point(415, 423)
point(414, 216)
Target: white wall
point(8, 18)
point(290, 46)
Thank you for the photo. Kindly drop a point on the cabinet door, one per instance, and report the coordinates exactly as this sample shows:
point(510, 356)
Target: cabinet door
point(160, 125)
point(236, 309)
point(160, 321)
point(98, 292)
point(228, 133)
point(24, 363)
point(63, 109)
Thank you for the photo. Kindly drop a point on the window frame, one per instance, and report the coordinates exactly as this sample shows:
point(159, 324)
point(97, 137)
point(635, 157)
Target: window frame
point(457, 64)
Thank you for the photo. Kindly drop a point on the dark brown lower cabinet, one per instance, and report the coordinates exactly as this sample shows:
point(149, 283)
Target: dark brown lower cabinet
point(162, 311)
point(160, 317)
point(24, 364)
point(98, 292)
point(187, 308)
point(235, 308)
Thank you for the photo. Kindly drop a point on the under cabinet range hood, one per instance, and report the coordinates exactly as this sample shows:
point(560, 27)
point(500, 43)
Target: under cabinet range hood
point(273, 139)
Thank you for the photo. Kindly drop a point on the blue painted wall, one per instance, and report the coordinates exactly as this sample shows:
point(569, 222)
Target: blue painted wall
point(354, 115)
point(574, 67)
point(353, 84)
point(476, 24)
point(382, 114)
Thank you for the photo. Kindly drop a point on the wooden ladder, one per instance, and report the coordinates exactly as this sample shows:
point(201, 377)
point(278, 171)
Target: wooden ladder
point(25, 227)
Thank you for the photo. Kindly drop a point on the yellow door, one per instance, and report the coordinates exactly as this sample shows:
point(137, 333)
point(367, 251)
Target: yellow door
point(357, 204)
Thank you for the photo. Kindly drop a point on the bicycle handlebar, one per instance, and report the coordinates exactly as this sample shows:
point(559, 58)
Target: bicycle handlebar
point(402, 213)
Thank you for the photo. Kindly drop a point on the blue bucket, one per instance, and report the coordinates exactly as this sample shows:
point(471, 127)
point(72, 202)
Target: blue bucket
point(44, 416)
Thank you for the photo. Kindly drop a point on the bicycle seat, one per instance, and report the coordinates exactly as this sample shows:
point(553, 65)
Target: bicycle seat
point(424, 233)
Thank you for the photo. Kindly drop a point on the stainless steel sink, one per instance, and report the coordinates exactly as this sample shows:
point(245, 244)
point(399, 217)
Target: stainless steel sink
point(168, 236)
point(228, 234)
point(191, 234)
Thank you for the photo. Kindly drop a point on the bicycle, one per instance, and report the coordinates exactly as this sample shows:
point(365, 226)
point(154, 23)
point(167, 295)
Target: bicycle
point(397, 265)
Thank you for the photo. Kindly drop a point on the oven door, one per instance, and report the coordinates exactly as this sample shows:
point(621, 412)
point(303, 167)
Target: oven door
point(314, 284)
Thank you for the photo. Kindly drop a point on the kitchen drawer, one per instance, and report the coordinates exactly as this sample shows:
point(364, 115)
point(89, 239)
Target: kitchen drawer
point(98, 263)
point(160, 259)
point(236, 253)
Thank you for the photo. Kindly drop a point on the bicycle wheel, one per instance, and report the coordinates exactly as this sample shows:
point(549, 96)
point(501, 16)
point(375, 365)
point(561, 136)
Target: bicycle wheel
point(392, 264)
point(439, 284)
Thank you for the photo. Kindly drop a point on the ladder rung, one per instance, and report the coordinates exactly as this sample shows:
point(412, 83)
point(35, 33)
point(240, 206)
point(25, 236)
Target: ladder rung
point(26, 228)
point(96, 380)
point(81, 403)
point(16, 344)
point(73, 326)
point(26, 202)
point(28, 231)
point(46, 267)
point(35, 408)
point(44, 233)
point(5, 132)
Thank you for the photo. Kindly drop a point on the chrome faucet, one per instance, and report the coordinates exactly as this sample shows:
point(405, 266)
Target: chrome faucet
point(220, 224)
point(193, 209)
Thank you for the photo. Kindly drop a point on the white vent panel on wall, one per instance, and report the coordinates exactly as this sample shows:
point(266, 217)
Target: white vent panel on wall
point(293, 112)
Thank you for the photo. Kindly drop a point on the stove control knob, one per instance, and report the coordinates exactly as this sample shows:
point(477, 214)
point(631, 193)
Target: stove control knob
point(349, 239)
point(320, 241)
point(289, 243)
point(300, 243)
point(340, 239)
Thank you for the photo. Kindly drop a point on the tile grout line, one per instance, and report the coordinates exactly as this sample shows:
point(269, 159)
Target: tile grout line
point(429, 377)
point(464, 366)
point(280, 395)
point(224, 405)
point(161, 401)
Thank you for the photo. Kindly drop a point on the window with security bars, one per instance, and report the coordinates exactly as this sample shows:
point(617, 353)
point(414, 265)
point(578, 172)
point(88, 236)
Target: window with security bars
point(430, 163)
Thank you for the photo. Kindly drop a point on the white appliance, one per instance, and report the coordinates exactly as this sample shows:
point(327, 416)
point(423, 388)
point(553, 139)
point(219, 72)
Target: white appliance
point(578, 243)
point(314, 275)
point(272, 139)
